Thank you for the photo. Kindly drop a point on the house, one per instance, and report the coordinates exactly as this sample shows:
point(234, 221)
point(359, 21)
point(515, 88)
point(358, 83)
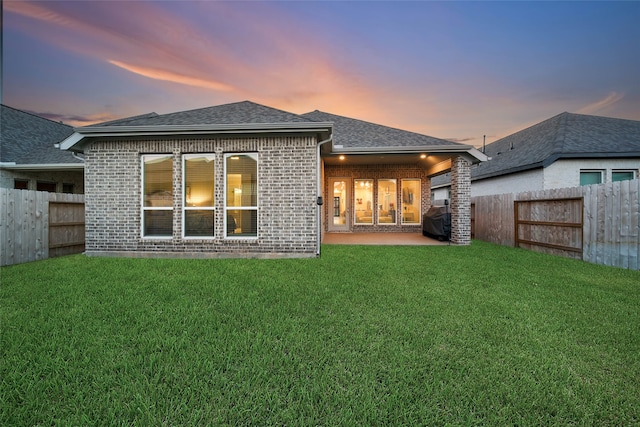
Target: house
point(244, 179)
point(29, 159)
point(567, 150)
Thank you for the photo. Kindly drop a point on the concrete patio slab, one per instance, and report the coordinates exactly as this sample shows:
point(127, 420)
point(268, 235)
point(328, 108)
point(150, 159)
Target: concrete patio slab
point(397, 239)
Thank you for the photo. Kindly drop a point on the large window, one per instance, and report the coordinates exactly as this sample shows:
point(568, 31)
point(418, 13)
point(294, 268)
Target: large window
point(386, 201)
point(157, 195)
point(363, 189)
point(590, 177)
point(411, 201)
point(198, 195)
point(620, 175)
point(241, 195)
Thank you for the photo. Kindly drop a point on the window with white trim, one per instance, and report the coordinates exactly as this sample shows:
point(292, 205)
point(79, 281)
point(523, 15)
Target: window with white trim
point(387, 201)
point(157, 195)
point(198, 188)
point(622, 175)
point(363, 189)
point(589, 177)
point(410, 201)
point(241, 195)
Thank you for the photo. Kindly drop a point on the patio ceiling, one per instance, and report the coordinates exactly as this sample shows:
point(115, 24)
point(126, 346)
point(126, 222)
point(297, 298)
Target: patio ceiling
point(432, 163)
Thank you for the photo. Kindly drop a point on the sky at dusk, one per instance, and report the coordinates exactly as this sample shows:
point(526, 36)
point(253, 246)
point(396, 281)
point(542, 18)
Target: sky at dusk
point(452, 70)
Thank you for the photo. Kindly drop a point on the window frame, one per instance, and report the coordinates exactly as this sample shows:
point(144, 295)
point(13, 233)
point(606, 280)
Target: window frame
point(18, 183)
point(227, 208)
point(418, 219)
point(588, 171)
point(395, 201)
point(371, 189)
point(143, 208)
point(633, 173)
point(186, 208)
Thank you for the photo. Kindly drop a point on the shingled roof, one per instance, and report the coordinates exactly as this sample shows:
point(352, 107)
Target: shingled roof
point(356, 133)
point(235, 113)
point(565, 136)
point(27, 139)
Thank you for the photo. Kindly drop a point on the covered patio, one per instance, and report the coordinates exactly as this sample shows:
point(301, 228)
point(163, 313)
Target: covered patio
point(383, 239)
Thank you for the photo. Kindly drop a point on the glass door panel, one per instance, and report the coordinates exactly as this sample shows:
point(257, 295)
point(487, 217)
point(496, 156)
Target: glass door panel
point(339, 208)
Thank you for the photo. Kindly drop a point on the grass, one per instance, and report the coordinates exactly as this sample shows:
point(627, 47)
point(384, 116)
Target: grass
point(479, 335)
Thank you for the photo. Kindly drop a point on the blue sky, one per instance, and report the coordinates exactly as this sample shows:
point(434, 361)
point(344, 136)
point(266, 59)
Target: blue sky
point(453, 70)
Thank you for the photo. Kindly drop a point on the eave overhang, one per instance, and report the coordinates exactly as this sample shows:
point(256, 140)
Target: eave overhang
point(83, 135)
point(42, 166)
point(470, 153)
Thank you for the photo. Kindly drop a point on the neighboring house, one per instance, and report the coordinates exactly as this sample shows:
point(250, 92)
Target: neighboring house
point(29, 159)
point(567, 150)
point(244, 179)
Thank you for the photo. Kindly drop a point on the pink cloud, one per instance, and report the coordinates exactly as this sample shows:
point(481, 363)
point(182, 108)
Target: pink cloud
point(601, 104)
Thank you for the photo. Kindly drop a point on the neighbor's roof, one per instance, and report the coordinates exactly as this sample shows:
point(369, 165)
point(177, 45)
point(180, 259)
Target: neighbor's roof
point(350, 132)
point(565, 136)
point(27, 139)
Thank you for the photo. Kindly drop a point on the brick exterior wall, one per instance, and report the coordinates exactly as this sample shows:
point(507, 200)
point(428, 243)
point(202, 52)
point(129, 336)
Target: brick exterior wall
point(376, 172)
point(460, 201)
point(287, 212)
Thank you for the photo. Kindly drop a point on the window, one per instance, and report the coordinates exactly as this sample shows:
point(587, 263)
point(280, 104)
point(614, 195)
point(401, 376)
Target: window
point(411, 201)
point(241, 195)
point(386, 201)
point(67, 188)
point(198, 195)
point(157, 195)
point(620, 175)
point(21, 184)
point(590, 177)
point(46, 186)
point(364, 201)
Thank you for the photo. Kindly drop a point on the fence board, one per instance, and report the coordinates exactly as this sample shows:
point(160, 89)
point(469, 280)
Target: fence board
point(610, 216)
point(24, 224)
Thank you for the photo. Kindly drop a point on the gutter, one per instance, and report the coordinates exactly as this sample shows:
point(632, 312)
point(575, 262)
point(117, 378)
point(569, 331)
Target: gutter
point(41, 166)
point(319, 189)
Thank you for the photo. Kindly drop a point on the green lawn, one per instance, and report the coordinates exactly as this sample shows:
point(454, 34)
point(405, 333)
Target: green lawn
point(370, 335)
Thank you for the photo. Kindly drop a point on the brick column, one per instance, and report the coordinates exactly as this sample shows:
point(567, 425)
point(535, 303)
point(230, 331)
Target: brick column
point(460, 202)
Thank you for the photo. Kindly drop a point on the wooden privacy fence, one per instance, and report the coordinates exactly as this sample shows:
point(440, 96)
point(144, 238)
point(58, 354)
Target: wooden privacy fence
point(597, 223)
point(36, 225)
point(550, 223)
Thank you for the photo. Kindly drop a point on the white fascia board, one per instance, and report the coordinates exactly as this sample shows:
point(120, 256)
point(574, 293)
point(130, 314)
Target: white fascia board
point(242, 128)
point(43, 166)
point(471, 153)
point(70, 141)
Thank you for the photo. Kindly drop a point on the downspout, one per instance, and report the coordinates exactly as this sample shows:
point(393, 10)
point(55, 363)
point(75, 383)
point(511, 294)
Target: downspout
point(319, 188)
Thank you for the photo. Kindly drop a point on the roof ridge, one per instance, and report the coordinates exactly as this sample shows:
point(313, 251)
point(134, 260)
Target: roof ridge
point(560, 133)
point(246, 101)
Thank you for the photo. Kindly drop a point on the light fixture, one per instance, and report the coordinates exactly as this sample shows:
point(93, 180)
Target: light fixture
point(423, 156)
point(234, 158)
point(341, 157)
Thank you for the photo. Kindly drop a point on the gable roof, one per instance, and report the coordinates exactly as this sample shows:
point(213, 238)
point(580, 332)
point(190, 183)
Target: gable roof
point(27, 139)
point(354, 133)
point(235, 113)
point(235, 118)
point(565, 136)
